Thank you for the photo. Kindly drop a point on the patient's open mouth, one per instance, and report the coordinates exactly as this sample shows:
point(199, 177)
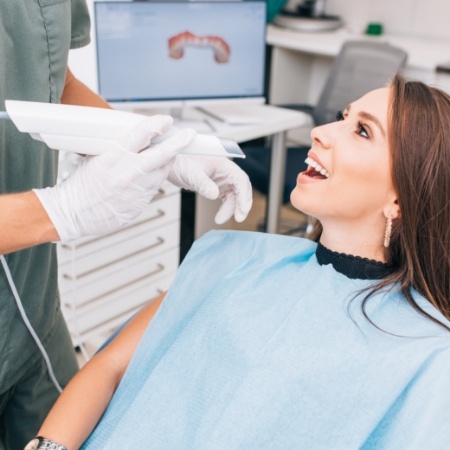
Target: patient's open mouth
point(315, 170)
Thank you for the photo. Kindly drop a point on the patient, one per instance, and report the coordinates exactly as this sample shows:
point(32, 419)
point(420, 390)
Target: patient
point(273, 342)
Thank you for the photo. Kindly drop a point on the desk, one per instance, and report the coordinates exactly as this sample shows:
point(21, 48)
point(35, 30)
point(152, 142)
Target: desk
point(272, 121)
point(303, 59)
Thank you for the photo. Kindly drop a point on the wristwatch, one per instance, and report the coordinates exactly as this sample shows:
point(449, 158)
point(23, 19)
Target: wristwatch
point(42, 443)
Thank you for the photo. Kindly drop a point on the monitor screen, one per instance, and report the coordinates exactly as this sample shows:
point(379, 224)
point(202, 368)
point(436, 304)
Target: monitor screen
point(172, 50)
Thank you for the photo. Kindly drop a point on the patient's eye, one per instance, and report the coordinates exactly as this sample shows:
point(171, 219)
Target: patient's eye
point(340, 116)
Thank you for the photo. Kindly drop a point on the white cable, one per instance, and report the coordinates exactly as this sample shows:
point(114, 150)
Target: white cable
point(28, 324)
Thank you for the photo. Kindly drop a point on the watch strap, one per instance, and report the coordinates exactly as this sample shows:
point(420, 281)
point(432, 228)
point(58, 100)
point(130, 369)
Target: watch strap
point(42, 443)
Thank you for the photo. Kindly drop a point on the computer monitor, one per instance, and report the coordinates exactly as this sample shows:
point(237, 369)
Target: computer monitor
point(180, 53)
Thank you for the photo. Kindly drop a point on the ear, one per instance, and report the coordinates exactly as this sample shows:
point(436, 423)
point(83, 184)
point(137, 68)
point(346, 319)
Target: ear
point(392, 210)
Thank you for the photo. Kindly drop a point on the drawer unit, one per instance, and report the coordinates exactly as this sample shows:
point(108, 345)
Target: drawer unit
point(93, 275)
point(97, 319)
point(162, 210)
point(104, 280)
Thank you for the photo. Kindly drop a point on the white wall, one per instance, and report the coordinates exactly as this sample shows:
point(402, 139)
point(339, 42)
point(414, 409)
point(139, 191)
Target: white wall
point(430, 18)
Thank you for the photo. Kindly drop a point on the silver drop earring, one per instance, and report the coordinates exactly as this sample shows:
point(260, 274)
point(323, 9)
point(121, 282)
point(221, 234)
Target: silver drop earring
point(387, 232)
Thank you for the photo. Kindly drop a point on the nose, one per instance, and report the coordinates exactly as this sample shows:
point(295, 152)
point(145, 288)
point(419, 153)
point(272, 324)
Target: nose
point(322, 135)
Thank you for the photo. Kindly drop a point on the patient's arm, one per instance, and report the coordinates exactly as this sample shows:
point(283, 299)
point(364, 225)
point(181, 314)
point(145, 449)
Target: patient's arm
point(86, 397)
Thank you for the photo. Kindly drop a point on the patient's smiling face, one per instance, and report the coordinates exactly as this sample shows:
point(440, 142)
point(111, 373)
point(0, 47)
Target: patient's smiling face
point(353, 155)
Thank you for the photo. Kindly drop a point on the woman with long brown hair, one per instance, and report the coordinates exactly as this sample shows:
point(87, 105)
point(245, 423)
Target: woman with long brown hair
point(338, 342)
point(419, 243)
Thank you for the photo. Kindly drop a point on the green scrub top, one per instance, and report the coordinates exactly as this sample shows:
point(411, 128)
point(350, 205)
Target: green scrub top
point(35, 38)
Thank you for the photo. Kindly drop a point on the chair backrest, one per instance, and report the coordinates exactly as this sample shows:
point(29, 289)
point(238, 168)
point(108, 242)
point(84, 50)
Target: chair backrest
point(360, 67)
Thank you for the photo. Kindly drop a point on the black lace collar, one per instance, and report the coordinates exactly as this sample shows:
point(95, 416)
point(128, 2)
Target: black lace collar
point(353, 266)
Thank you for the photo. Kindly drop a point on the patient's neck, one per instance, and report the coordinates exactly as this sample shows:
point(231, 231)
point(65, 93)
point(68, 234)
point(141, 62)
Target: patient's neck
point(356, 244)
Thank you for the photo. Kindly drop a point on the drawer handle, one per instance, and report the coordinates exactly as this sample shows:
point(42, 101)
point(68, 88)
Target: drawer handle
point(135, 308)
point(159, 268)
point(159, 213)
point(160, 193)
point(158, 242)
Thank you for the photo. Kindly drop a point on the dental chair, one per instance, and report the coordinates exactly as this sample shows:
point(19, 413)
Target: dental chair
point(360, 67)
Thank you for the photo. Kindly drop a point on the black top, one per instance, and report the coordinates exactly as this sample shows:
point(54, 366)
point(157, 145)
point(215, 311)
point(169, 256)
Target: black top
point(353, 266)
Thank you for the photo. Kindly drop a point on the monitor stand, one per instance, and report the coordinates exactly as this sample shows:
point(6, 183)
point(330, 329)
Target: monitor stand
point(230, 115)
point(227, 111)
point(183, 117)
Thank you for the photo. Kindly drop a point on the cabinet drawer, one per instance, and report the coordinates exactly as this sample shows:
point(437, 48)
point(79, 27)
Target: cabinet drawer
point(119, 255)
point(99, 320)
point(102, 249)
point(145, 262)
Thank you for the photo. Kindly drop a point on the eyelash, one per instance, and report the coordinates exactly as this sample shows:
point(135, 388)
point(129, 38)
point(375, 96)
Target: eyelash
point(361, 128)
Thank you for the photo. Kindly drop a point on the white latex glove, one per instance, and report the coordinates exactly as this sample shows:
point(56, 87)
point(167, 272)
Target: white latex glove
point(108, 191)
point(214, 177)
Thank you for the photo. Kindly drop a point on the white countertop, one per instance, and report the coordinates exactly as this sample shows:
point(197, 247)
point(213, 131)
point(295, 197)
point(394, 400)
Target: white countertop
point(263, 120)
point(423, 53)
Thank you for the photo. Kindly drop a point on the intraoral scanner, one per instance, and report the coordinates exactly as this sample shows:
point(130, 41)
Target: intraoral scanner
point(92, 131)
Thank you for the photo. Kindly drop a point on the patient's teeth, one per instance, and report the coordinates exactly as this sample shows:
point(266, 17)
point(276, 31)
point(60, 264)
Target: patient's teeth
point(316, 166)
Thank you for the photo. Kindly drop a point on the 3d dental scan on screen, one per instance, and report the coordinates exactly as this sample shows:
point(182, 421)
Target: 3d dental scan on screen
point(183, 47)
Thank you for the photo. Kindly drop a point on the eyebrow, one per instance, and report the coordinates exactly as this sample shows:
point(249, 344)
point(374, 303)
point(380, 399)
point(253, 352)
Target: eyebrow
point(370, 117)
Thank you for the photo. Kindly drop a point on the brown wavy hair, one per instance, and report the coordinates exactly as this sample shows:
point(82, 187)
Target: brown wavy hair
point(419, 141)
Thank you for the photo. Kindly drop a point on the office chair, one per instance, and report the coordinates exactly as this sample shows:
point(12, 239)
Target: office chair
point(360, 67)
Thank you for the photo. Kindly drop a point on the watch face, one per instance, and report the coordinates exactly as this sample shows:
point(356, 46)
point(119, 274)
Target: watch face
point(32, 445)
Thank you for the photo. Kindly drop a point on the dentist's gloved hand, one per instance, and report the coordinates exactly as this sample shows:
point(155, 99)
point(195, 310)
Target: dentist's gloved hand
point(214, 177)
point(108, 191)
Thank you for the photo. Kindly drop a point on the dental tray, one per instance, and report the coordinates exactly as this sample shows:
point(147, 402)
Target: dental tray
point(91, 131)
